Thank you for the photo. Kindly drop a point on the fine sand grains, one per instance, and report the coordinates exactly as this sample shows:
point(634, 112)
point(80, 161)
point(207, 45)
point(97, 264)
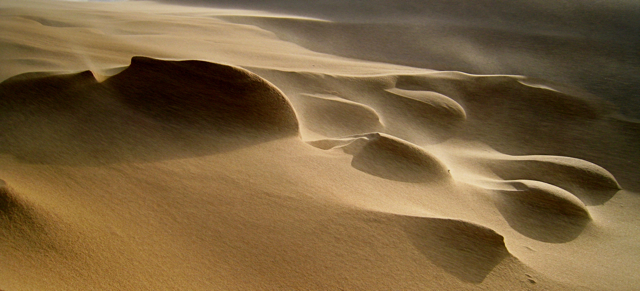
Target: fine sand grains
point(145, 146)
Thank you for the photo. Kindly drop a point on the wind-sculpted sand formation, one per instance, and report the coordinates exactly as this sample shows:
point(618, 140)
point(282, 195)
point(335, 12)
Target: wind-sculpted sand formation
point(145, 146)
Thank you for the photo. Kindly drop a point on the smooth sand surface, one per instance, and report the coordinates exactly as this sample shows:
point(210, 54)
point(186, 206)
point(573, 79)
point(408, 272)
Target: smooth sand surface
point(148, 146)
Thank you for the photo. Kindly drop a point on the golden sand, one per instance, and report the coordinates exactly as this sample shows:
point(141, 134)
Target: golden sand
point(148, 146)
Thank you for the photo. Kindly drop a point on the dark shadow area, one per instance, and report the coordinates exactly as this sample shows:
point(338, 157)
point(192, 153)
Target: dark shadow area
point(153, 110)
point(468, 251)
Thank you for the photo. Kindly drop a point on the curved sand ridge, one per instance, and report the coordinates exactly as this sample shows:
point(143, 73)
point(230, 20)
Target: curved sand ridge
point(153, 109)
point(411, 112)
point(418, 115)
point(332, 116)
point(543, 197)
point(526, 94)
point(392, 158)
point(456, 44)
point(546, 195)
point(590, 182)
point(204, 93)
point(512, 114)
point(431, 107)
point(542, 211)
point(389, 157)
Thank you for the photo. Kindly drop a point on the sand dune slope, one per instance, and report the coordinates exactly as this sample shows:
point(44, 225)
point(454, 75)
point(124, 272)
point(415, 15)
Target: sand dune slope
point(224, 135)
point(144, 112)
point(176, 151)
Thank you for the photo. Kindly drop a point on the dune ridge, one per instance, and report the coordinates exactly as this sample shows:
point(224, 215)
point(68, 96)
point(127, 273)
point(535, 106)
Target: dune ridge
point(501, 111)
point(233, 89)
point(325, 115)
point(389, 157)
point(543, 212)
point(575, 175)
point(128, 115)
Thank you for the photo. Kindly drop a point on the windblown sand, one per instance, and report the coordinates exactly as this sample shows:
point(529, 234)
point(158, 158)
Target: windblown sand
point(148, 146)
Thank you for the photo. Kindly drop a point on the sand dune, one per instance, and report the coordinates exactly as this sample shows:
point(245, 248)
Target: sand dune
point(392, 158)
point(542, 211)
point(146, 146)
point(141, 112)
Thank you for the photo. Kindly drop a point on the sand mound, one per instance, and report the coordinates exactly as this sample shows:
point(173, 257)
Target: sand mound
point(204, 94)
point(542, 211)
point(41, 115)
point(590, 182)
point(389, 157)
point(511, 114)
point(45, 91)
point(153, 109)
point(501, 91)
point(431, 105)
point(416, 114)
point(422, 111)
point(547, 197)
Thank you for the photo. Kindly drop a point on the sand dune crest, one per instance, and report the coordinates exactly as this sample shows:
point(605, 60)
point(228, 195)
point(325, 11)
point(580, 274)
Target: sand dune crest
point(152, 110)
point(392, 158)
point(590, 182)
point(547, 197)
point(434, 105)
point(542, 211)
point(422, 111)
point(333, 116)
point(389, 157)
point(203, 93)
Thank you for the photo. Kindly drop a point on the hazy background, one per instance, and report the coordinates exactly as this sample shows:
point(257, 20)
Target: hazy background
point(590, 44)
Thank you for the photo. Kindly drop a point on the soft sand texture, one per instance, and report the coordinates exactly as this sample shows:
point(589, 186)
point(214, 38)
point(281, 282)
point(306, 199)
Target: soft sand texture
point(201, 154)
